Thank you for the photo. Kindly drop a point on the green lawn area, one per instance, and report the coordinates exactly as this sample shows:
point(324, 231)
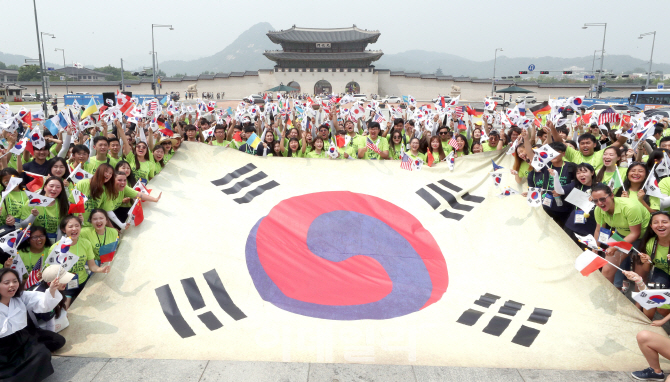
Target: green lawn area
point(25, 103)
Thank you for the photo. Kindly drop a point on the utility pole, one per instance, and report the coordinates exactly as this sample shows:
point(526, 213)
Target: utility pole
point(39, 50)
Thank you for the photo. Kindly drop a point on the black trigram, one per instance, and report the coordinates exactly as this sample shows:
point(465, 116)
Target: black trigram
point(173, 315)
point(525, 336)
point(259, 177)
point(449, 198)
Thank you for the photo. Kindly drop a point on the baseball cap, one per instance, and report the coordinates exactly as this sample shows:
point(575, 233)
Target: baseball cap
point(49, 274)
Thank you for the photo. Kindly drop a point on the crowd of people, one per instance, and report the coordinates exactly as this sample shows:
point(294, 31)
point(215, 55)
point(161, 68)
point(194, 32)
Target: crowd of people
point(118, 153)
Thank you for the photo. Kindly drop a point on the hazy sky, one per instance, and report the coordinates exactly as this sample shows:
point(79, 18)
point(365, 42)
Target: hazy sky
point(100, 33)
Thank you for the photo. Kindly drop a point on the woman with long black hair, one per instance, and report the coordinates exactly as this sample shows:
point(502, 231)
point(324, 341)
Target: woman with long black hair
point(50, 216)
point(22, 357)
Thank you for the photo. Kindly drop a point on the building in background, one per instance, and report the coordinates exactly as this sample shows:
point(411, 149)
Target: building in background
point(9, 75)
point(82, 74)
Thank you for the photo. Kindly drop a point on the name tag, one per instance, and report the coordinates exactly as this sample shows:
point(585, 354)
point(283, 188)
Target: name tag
point(604, 235)
point(74, 283)
point(547, 199)
point(579, 217)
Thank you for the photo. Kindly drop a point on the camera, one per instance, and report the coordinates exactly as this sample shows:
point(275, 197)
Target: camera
point(655, 286)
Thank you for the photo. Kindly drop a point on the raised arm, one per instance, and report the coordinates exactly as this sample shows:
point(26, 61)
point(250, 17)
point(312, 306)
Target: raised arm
point(122, 134)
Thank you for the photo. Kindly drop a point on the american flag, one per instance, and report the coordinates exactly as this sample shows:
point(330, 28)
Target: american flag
point(458, 112)
point(371, 145)
point(406, 162)
point(379, 118)
point(452, 142)
point(608, 115)
point(32, 277)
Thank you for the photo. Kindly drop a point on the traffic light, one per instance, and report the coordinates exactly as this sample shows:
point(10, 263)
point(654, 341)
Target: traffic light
point(544, 72)
point(567, 72)
point(600, 88)
point(523, 72)
point(517, 76)
point(153, 86)
point(625, 75)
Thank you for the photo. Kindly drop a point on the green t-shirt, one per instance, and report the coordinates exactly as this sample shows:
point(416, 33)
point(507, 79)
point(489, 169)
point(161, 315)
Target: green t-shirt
point(627, 212)
point(146, 171)
point(168, 156)
point(661, 258)
point(395, 151)
point(446, 147)
point(108, 204)
point(84, 250)
point(93, 164)
point(222, 144)
point(114, 161)
point(110, 236)
point(30, 259)
point(486, 147)
point(524, 170)
point(297, 154)
point(381, 143)
point(607, 176)
point(313, 154)
point(84, 186)
point(575, 156)
point(12, 162)
point(49, 217)
point(12, 205)
point(664, 186)
point(418, 156)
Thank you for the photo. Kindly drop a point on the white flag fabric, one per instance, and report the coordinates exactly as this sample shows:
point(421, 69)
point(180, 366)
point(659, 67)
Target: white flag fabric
point(79, 174)
point(652, 298)
point(508, 191)
point(36, 138)
point(37, 200)
point(534, 197)
point(61, 254)
point(542, 156)
point(11, 185)
point(18, 265)
point(450, 160)
point(10, 241)
point(589, 240)
point(496, 176)
point(651, 185)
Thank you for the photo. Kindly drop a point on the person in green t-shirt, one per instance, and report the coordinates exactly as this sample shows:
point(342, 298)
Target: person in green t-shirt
point(381, 144)
point(114, 154)
point(624, 216)
point(318, 150)
point(157, 157)
point(219, 137)
point(587, 144)
point(100, 232)
point(82, 248)
point(14, 201)
point(101, 147)
point(123, 194)
point(494, 143)
point(413, 152)
point(95, 188)
point(50, 216)
point(654, 247)
point(395, 145)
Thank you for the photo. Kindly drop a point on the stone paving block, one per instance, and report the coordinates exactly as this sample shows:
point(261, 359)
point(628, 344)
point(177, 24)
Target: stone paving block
point(255, 371)
point(75, 369)
point(574, 376)
point(465, 374)
point(151, 370)
point(321, 372)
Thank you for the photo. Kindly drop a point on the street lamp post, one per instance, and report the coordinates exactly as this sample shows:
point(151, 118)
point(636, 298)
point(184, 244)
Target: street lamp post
point(652, 54)
point(153, 50)
point(37, 29)
point(593, 64)
point(67, 90)
point(602, 52)
point(44, 57)
point(493, 80)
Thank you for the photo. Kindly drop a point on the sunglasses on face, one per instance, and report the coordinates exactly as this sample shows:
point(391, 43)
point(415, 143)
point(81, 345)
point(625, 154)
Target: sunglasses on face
point(443, 133)
point(601, 200)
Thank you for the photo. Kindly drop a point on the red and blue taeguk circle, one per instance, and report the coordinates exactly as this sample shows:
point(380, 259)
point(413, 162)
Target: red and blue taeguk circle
point(345, 256)
point(657, 299)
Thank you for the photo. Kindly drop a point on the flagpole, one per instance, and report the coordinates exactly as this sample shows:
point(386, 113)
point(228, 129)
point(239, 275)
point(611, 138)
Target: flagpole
point(616, 168)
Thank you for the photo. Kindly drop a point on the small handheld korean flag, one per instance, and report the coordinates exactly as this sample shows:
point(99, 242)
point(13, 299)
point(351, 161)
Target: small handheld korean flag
point(652, 298)
point(651, 185)
point(9, 242)
point(18, 265)
point(37, 200)
point(508, 191)
point(542, 156)
point(534, 197)
point(450, 160)
point(36, 138)
point(79, 174)
point(332, 150)
point(61, 254)
point(417, 164)
point(19, 147)
point(496, 176)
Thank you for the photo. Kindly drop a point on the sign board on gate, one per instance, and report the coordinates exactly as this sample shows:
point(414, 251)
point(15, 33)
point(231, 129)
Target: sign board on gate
point(589, 77)
point(531, 67)
point(660, 85)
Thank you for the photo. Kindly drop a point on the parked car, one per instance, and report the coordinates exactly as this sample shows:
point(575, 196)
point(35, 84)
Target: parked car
point(500, 101)
point(254, 98)
point(28, 97)
point(446, 99)
point(360, 97)
point(528, 98)
point(665, 112)
point(392, 99)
